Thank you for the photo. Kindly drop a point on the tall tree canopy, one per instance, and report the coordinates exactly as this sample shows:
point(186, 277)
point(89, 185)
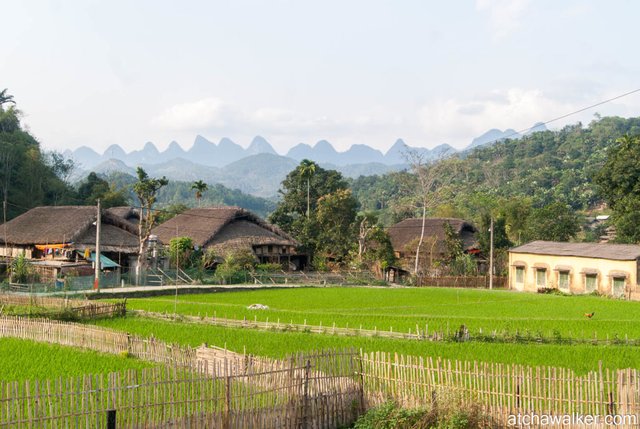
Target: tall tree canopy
point(94, 188)
point(146, 190)
point(200, 187)
point(313, 207)
point(619, 184)
point(555, 222)
point(28, 177)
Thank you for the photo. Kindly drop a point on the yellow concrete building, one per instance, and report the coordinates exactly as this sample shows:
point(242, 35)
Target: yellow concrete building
point(610, 269)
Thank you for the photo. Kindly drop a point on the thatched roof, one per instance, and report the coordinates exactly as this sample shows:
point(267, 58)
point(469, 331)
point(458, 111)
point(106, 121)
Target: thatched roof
point(222, 227)
point(130, 214)
point(70, 224)
point(408, 230)
point(617, 252)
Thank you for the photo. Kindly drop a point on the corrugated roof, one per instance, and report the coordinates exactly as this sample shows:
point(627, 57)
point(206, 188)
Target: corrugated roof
point(618, 252)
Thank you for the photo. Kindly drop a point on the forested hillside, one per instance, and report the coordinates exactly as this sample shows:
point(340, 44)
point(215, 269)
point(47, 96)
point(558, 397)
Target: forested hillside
point(178, 193)
point(29, 177)
point(511, 179)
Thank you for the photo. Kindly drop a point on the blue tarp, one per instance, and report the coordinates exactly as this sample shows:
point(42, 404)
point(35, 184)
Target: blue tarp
point(104, 261)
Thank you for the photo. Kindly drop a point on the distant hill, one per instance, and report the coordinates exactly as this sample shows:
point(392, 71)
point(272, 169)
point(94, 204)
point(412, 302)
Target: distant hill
point(493, 136)
point(225, 152)
point(258, 169)
point(258, 174)
point(180, 192)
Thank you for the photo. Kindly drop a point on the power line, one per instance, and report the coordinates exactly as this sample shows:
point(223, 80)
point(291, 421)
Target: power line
point(575, 112)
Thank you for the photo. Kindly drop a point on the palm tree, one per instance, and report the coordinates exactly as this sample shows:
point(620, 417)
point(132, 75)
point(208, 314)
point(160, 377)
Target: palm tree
point(199, 187)
point(307, 170)
point(5, 98)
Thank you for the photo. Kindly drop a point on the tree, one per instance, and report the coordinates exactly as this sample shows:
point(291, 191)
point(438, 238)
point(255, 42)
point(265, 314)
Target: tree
point(9, 118)
point(626, 218)
point(146, 189)
point(199, 187)
point(170, 211)
point(5, 98)
point(555, 222)
point(619, 177)
point(296, 202)
point(367, 223)
point(430, 180)
point(500, 239)
point(457, 261)
point(619, 183)
point(28, 177)
point(181, 252)
point(336, 214)
point(94, 188)
point(307, 170)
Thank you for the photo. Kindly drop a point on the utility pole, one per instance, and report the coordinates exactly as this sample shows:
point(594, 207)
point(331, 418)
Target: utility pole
point(491, 255)
point(4, 221)
point(96, 281)
point(175, 300)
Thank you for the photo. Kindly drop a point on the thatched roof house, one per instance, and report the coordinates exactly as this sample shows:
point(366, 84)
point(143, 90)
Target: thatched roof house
point(406, 234)
point(66, 227)
point(226, 229)
point(130, 214)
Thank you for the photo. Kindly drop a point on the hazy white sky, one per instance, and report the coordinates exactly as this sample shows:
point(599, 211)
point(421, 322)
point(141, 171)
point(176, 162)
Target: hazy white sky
point(96, 73)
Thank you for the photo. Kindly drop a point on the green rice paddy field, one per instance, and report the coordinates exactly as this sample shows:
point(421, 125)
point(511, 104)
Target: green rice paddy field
point(24, 359)
point(402, 309)
point(581, 358)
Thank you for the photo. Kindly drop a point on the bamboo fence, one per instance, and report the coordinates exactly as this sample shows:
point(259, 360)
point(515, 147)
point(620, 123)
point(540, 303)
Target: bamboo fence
point(83, 309)
point(502, 390)
point(96, 338)
point(211, 387)
point(419, 333)
point(315, 278)
point(470, 282)
point(212, 395)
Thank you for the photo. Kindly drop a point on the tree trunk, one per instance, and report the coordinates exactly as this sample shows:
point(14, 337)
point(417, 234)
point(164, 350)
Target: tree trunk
point(140, 249)
point(308, 203)
point(424, 220)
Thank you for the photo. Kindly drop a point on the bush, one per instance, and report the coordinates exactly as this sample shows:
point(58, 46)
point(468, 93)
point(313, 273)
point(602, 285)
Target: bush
point(390, 416)
point(268, 268)
point(181, 251)
point(236, 267)
point(450, 416)
point(21, 270)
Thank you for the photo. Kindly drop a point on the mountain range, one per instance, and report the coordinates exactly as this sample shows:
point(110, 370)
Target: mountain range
point(258, 169)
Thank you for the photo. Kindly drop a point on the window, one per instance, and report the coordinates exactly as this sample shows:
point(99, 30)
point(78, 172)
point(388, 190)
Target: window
point(563, 281)
point(541, 277)
point(519, 275)
point(590, 283)
point(618, 286)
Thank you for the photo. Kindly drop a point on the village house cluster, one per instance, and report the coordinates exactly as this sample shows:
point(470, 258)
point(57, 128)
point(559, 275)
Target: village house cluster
point(60, 242)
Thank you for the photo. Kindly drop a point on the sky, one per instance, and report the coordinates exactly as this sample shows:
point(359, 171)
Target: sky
point(96, 73)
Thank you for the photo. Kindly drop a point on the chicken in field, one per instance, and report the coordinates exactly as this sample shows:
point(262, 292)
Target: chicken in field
point(589, 315)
